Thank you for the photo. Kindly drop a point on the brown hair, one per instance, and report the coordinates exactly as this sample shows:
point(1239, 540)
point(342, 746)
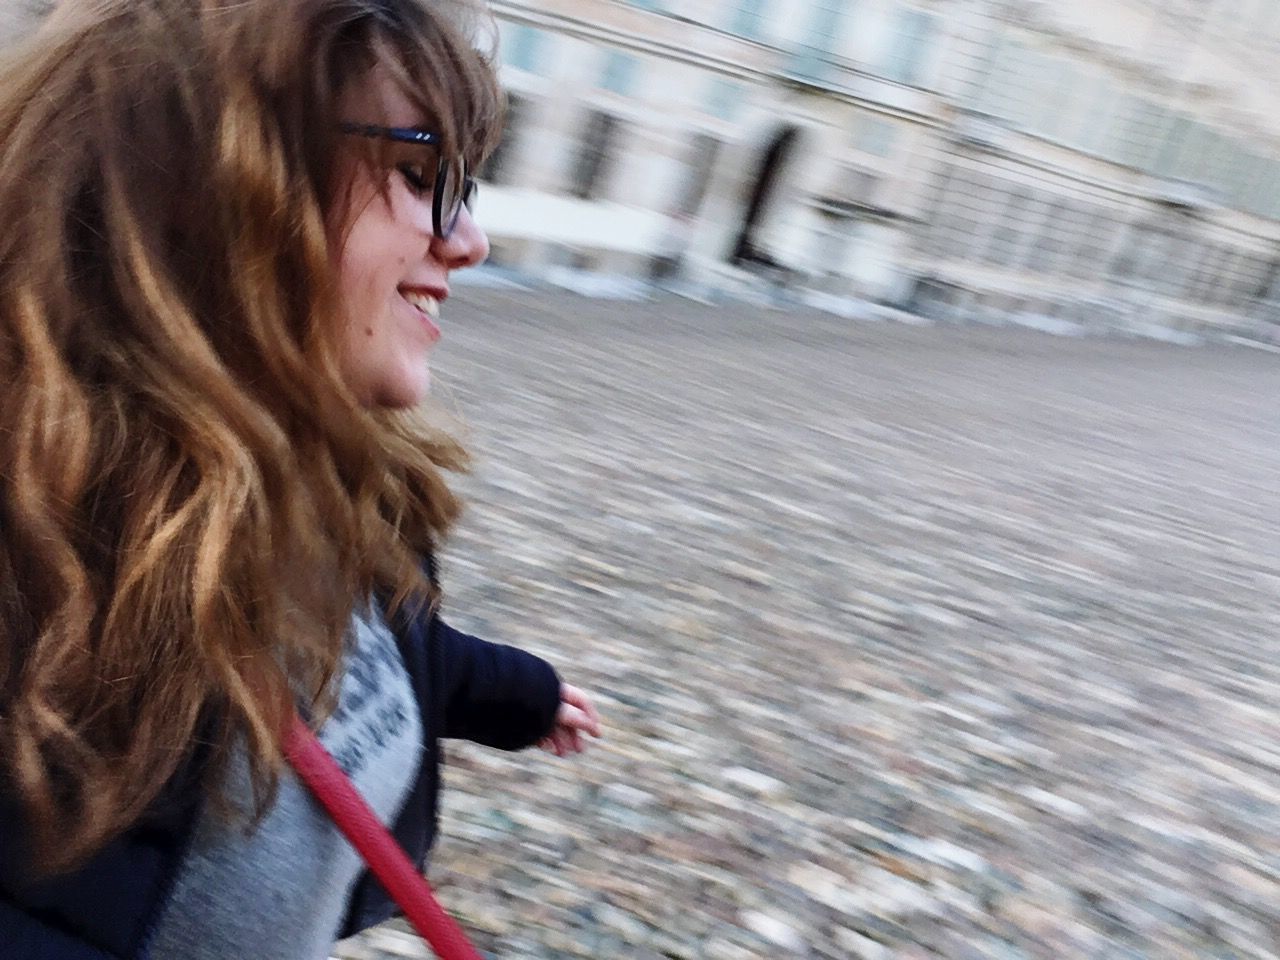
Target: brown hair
point(192, 503)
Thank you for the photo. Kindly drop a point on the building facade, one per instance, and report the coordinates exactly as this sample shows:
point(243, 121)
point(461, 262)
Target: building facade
point(1110, 162)
point(1114, 163)
point(18, 16)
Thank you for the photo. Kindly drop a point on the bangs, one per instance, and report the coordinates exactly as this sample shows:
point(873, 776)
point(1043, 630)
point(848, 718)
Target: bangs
point(436, 59)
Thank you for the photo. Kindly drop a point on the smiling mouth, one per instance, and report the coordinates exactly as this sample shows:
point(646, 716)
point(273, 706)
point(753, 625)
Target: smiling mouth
point(428, 307)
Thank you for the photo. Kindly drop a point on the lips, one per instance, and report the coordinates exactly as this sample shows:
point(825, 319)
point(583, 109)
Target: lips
point(428, 307)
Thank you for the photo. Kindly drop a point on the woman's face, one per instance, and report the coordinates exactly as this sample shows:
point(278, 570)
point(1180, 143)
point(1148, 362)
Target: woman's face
point(393, 271)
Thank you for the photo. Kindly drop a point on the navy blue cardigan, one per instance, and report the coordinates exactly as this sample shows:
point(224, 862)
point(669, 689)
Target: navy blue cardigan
point(465, 687)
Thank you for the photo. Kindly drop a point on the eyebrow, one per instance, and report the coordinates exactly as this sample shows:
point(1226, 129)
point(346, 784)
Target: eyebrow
point(401, 134)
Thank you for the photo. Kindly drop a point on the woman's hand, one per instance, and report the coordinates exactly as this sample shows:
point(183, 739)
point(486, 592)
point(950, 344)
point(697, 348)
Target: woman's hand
point(576, 716)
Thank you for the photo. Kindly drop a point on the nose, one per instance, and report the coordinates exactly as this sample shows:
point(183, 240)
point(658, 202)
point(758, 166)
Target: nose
point(467, 246)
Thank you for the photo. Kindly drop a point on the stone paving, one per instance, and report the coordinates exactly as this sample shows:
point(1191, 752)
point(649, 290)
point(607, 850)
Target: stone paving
point(910, 641)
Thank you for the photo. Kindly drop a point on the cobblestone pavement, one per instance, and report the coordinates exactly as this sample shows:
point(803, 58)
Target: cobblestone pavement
point(910, 642)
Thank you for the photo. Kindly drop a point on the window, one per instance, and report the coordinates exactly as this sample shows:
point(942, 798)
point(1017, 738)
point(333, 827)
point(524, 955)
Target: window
point(1113, 143)
point(1191, 157)
point(912, 45)
point(1267, 287)
point(825, 25)
point(933, 242)
point(1049, 239)
point(1157, 256)
point(1097, 135)
point(1210, 159)
point(1168, 157)
point(1231, 175)
point(1229, 278)
point(1004, 249)
point(1182, 250)
point(1252, 179)
point(1201, 283)
point(993, 97)
point(1028, 99)
point(980, 204)
point(1269, 199)
point(1097, 231)
point(523, 47)
point(498, 168)
point(596, 153)
point(724, 98)
point(748, 19)
point(1125, 262)
point(1254, 278)
point(1093, 98)
point(1066, 124)
point(1052, 90)
point(619, 73)
point(1140, 133)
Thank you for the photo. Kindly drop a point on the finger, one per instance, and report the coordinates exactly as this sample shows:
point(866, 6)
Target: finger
point(580, 699)
point(576, 719)
point(566, 742)
point(570, 716)
point(562, 744)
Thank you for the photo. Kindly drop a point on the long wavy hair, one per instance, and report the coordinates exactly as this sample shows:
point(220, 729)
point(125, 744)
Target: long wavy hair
point(192, 504)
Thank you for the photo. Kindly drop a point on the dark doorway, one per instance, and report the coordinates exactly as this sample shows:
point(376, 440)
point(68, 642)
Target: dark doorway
point(747, 249)
point(596, 153)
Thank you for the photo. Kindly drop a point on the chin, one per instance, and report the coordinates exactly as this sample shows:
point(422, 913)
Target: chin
point(405, 392)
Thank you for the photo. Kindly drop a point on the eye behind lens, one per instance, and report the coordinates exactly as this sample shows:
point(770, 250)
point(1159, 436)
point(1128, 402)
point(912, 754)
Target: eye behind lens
point(414, 177)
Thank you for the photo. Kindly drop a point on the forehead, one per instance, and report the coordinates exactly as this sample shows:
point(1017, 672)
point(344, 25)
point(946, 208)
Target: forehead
point(377, 98)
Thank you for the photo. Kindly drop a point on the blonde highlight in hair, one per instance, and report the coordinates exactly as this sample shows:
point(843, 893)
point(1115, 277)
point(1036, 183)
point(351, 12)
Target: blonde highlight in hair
point(192, 504)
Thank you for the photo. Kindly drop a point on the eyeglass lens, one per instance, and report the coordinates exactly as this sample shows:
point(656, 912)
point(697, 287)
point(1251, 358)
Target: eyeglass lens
point(453, 192)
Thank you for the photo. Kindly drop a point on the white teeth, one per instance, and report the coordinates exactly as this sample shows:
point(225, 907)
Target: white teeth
point(427, 304)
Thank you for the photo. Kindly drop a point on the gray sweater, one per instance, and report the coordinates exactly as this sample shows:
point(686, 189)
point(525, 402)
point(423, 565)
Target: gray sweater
point(279, 891)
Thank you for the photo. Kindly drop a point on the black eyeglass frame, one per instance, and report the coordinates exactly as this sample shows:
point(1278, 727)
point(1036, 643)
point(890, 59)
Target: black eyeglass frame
point(443, 221)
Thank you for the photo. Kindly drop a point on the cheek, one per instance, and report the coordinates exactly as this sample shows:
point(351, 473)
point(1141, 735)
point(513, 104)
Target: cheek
point(375, 257)
point(366, 248)
point(370, 270)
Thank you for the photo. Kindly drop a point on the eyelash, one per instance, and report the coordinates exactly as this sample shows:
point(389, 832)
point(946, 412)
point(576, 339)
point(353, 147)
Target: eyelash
point(414, 177)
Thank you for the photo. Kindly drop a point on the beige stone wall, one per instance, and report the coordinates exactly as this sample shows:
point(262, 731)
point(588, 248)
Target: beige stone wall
point(1017, 156)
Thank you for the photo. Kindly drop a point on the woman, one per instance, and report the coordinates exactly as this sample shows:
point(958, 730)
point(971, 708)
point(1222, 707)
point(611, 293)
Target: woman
point(229, 231)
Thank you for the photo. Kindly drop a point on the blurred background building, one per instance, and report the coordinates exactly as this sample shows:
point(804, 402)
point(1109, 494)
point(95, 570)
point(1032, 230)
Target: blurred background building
point(16, 16)
point(1114, 163)
point(1111, 162)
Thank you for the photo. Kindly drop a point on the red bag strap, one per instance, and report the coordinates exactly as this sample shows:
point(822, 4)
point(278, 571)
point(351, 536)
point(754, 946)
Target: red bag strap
point(375, 844)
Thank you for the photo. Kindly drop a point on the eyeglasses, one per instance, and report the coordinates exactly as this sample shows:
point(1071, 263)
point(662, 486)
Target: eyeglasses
point(452, 188)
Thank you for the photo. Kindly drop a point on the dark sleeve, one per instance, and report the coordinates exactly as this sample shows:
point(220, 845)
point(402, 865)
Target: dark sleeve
point(494, 694)
point(465, 687)
point(22, 935)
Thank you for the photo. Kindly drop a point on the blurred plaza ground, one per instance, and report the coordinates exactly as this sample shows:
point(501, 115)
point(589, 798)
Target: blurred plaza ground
point(911, 641)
